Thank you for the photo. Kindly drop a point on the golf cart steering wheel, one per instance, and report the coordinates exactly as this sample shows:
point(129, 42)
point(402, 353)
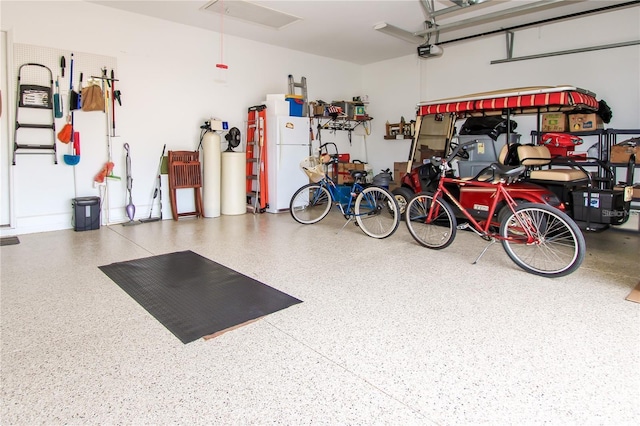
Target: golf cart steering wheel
point(463, 153)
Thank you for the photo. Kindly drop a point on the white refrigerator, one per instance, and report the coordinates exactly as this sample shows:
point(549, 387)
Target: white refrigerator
point(288, 143)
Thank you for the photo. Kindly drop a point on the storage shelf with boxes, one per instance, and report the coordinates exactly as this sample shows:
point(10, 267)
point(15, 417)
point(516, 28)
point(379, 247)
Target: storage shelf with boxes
point(344, 177)
point(563, 122)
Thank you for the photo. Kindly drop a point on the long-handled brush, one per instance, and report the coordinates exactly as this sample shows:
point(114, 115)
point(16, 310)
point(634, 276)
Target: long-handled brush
point(156, 191)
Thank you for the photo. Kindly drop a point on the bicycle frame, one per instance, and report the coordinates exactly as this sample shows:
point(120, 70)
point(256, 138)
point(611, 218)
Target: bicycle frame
point(539, 238)
point(345, 208)
point(481, 227)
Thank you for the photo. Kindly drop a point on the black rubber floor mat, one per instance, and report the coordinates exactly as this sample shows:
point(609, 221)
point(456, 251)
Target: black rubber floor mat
point(9, 241)
point(193, 296)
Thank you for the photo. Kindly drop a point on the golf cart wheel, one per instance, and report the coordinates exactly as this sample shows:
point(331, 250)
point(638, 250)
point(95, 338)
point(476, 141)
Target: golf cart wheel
point(402, 196)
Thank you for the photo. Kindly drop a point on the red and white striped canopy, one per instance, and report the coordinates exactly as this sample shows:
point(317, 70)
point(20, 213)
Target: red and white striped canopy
point(560, 98)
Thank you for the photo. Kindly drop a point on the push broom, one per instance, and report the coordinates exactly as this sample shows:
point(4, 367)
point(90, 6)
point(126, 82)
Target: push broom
point(157, 190)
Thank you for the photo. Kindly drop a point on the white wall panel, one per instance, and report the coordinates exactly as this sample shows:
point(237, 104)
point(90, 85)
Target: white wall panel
point(167, 79)
point(465, 68)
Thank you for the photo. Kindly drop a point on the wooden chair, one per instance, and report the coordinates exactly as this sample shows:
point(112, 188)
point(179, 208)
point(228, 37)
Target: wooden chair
point(184, 172)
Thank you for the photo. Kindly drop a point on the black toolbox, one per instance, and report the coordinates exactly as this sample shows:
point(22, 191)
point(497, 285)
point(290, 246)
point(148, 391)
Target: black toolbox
point(604, 206)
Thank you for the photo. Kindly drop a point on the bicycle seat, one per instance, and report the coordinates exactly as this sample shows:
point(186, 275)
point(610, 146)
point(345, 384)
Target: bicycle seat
point(507, 171)
point(358, 174)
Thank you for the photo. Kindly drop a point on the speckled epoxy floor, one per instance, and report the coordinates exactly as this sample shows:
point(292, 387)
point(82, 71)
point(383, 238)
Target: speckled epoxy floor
point(389, 332)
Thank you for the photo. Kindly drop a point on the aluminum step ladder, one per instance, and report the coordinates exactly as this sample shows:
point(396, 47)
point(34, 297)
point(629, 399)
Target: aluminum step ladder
point(256, 157)
point(34, 106)
point(303, 86)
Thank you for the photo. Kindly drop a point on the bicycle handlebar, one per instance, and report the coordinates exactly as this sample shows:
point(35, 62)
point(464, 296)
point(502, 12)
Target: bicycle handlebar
point(459, 147)
point(439, 161)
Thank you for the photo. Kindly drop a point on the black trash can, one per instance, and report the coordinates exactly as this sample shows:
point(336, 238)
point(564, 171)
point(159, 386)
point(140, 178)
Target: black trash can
point(383, 179)
point(86, 213)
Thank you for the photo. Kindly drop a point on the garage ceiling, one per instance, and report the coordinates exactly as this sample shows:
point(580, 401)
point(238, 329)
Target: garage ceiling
point(344, 30)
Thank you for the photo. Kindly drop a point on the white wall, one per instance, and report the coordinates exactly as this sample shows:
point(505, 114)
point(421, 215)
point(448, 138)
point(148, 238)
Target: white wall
point(614, 75)
point(166, 74)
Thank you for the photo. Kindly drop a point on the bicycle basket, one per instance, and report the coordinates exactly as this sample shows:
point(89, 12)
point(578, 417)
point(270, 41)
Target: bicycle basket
point(314, 168)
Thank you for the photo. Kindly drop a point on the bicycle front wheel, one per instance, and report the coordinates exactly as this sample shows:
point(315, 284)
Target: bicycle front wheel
point(377, 212)
point(542, 240)
point(431, 223)
point(310, 204)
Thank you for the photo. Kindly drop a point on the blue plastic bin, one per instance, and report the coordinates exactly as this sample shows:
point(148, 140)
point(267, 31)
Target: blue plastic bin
point(295, 106)
point(343, 193)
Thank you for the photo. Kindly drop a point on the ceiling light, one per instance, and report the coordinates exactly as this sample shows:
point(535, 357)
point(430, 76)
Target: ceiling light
point(396, 32)
point(466, 3)
point(251, 12)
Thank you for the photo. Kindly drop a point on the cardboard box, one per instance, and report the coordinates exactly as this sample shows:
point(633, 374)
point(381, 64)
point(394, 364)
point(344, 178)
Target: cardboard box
point(319, 110)
point(585, 122)
point(426, 153)
point(400, 169)
point(620, 153)
point(555, 122)
point(344, 177)
point(634, 296)
point(635, 192)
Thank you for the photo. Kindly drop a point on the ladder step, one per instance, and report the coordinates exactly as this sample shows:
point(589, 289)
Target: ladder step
point(20, 146)
point(37, 97)
point(35, 126)
point(256, 193)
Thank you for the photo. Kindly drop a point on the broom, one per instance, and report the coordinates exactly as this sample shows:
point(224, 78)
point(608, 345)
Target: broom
point(156, 190)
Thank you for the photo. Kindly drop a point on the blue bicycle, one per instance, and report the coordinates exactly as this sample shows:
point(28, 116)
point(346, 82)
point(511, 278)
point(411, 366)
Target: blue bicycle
point(374, 208)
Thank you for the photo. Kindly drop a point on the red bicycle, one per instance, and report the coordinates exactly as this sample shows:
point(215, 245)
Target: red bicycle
point(539, 238)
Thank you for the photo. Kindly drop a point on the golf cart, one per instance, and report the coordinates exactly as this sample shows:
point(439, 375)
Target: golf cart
point(581, 186)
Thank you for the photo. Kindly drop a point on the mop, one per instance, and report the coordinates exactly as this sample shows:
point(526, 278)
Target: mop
point(130, 208)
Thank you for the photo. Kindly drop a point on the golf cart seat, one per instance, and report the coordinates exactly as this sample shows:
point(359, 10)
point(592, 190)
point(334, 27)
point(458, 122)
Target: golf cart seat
point(535, 157)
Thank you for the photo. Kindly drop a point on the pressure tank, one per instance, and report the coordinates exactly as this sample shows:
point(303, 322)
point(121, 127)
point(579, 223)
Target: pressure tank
point(211, 163)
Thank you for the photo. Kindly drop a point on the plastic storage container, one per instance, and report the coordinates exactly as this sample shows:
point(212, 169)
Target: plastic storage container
point(86, 213)
point(606, 206)
point(487, 149)
point(295, 106)
point(472, 168)
point(343, 193)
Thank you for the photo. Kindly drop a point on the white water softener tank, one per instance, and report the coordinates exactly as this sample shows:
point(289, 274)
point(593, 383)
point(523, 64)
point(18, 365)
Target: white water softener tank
point(211, 159)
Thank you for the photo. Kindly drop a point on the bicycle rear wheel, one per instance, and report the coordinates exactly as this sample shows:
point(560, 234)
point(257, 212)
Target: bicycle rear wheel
point(558, 248)
point(310, 204)
point(377, 212)
point(440, 230)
